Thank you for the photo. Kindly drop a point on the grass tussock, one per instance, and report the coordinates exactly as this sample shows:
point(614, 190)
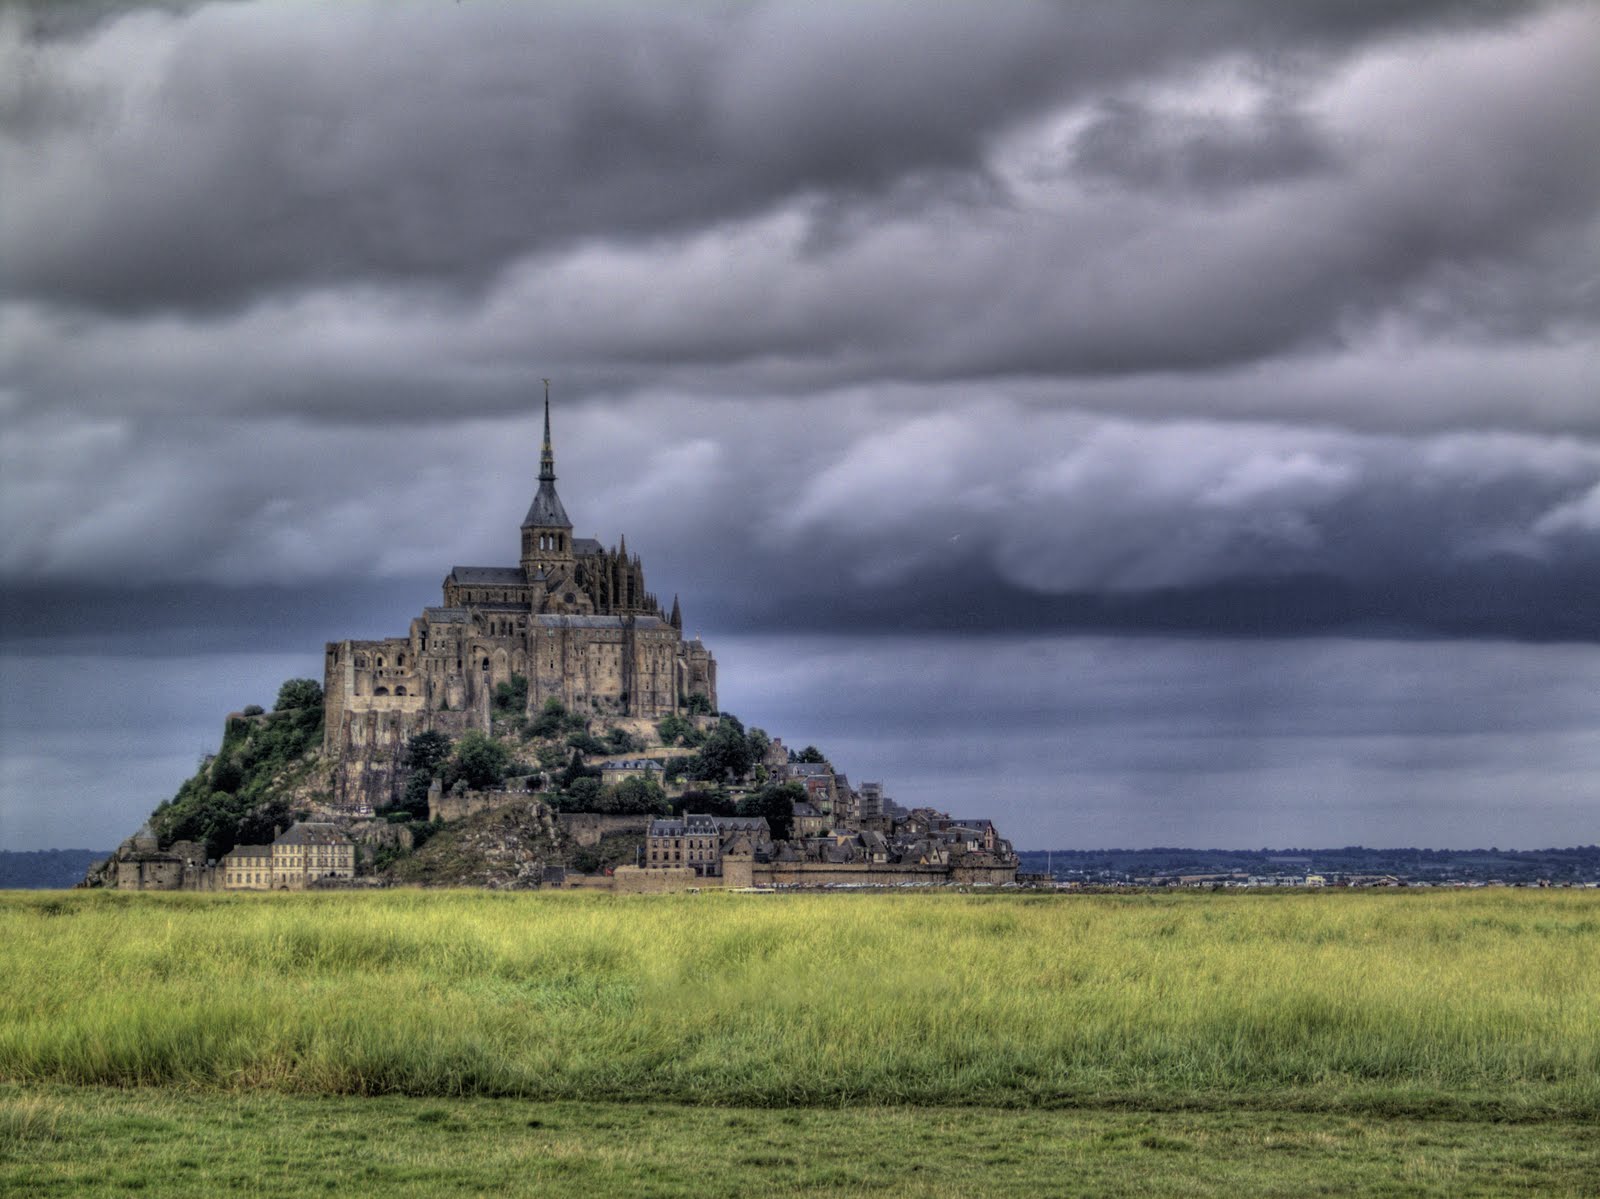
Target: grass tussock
point(1442, 1003)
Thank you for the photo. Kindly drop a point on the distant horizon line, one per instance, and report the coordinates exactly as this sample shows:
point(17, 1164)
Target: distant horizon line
point(1296, 851)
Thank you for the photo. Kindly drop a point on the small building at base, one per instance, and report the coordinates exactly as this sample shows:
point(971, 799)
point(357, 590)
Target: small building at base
point(308, 852)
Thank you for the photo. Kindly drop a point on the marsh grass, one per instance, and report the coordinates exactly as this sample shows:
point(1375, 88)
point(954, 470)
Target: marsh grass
point(1469, 1003)
point(202, 1144)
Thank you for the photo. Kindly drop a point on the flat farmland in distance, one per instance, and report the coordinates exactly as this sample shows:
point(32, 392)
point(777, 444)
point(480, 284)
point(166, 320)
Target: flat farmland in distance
point(1265, 1041)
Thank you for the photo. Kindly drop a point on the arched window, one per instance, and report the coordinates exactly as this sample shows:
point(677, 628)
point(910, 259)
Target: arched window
point(380, 691)
point(399, 690)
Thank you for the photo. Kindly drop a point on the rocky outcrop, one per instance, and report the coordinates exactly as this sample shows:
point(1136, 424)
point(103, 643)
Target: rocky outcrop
point(504, 849)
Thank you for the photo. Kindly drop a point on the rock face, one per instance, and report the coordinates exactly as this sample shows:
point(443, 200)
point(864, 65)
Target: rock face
point(504, 849)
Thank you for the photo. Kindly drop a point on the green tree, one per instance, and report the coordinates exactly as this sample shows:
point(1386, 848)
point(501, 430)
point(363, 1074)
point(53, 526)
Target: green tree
point(674, 729)
point(726, 753)
point(426, 757)
point(699, 704)
point(585, 792)
point(760, 742)
point(576, 770)
point(776, 803)
point(810, 754)
point(621, 741)
point(636, 796)
point(511, 698)
point(298, 693)
point(480, 761)
point(426, 752)
point(551, 720)
point(712, 803)
point(587, 743)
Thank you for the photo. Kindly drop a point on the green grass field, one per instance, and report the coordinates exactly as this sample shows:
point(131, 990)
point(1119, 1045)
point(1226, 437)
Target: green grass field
point(1271, 1040)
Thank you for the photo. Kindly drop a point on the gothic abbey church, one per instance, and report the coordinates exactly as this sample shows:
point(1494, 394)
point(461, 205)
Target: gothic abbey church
point(573, 618)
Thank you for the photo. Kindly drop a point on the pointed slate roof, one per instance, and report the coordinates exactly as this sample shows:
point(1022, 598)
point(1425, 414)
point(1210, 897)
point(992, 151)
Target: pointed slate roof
point(546, 511)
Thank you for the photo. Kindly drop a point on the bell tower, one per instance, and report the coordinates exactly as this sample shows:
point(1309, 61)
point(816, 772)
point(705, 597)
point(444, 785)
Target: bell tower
point(546, 531)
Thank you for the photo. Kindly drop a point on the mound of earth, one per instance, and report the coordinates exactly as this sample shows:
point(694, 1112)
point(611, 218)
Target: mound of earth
point(504, 849)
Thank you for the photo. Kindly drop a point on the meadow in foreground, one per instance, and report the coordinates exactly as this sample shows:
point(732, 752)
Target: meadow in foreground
point(77, 1141)
point(1468, 1004)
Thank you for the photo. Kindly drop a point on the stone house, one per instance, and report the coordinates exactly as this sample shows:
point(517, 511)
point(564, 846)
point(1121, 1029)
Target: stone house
point(808, 822)
point(695, 841)
point(612, 773)
point(247, 868)
point(310, 851)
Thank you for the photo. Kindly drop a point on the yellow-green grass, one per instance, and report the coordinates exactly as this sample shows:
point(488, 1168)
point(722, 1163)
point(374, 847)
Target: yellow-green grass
point(64, 1141)
point(1472, 1004)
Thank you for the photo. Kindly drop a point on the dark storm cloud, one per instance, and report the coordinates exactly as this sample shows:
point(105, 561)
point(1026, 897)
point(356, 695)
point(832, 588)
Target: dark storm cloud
point(1124, 741)
point(234, 151)
point(834, 514)
point(1111, 315)
point(379, 217)
point(1131, 145)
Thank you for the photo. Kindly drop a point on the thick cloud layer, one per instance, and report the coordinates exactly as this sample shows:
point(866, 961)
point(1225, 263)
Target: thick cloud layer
point(848, 512)
point(379, 211)
point(1218, 317)
point(1112, 314)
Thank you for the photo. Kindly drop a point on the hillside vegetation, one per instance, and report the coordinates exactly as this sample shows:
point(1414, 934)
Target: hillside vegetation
point(1458, 1003)
point(243, 791)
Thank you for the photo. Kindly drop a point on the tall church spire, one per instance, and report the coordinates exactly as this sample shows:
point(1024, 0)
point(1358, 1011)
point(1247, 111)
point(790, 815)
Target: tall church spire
point(547, 455)
point(546, 530)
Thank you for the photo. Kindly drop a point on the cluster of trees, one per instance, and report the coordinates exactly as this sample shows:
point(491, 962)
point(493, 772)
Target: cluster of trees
point(775, 801)
point(477, 762)
point(725, 753)
point(232, 799)
point(630, 797)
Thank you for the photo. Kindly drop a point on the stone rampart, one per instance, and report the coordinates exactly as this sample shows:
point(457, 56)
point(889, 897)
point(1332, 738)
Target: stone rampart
point(636, 880)
point(586, 828)
point(875, 874)
point(459, 807)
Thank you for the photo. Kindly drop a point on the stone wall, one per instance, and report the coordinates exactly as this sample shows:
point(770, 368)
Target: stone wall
point(180, 868)
point(587, 828)
point(459, 807)
point(635, 880)
point(821, 874)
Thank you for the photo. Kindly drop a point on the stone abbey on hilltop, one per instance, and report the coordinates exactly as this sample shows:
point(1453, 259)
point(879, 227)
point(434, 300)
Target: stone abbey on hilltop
point(573, 618)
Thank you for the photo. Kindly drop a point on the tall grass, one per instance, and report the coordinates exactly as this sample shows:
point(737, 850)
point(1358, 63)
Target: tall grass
point(1311, 999)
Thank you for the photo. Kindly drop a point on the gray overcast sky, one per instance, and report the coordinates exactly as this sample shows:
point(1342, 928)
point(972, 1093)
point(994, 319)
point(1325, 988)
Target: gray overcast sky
point(1223, 340)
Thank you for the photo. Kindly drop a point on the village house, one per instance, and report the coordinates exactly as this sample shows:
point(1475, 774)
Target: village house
point(308, 852)
point(612, 773)
point(696, 841)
